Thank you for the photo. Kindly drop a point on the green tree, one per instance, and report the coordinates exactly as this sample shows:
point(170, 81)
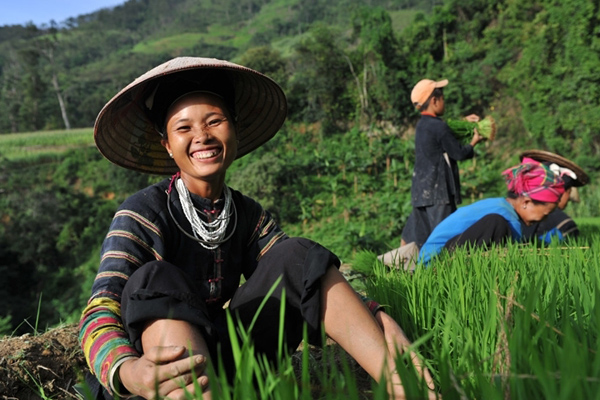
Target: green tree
point(376, 67)
point(267, 61)
point(318, 86)
point(556, 76)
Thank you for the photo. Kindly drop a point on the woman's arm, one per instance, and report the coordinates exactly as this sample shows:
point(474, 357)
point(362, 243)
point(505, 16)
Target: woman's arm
point(134, 238)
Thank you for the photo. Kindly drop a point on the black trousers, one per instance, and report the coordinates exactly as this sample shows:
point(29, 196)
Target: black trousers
point(160, 290)
point(423, 220)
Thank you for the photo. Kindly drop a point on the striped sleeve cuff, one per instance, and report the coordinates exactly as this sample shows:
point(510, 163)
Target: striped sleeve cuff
point(371, 304)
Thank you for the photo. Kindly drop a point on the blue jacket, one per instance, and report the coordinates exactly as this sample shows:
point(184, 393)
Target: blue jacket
point(463, 218)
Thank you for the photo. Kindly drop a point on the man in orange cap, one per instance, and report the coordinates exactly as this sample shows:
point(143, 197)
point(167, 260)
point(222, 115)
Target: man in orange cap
point(435, 188)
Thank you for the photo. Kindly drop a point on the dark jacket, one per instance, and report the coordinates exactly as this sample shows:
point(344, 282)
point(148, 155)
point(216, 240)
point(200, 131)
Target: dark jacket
point(557, 223)
point(434, 181)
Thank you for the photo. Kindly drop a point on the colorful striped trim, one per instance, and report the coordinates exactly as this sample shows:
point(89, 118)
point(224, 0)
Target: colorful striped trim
point(139, 218)
point(103, 293)
point(111, 274)
point(102, 338)
point(121, 255)
point(128, 235)
point(270, 244)
point(371, 304)
point(267, 228)
point(255, 233)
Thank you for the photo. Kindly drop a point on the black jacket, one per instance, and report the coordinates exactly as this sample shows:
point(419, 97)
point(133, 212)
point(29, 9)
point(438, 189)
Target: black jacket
point(435, 180)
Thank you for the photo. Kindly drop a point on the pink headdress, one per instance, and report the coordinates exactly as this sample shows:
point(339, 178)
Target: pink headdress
point(534, 180)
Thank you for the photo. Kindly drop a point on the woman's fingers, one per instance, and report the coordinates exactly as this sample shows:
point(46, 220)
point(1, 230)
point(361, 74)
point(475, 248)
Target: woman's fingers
point(164, 354)
point(176, 388)
point(182, 367)
point(182, 373)
point(182, 393)
point(398, 342)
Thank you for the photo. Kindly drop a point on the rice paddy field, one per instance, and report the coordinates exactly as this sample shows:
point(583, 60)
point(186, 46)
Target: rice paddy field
point(519, 322)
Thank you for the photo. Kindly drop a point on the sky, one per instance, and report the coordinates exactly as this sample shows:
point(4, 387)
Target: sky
point(20, 12)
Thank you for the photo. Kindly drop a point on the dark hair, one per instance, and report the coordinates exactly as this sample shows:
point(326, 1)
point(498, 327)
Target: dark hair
point(437, 93)
point(169, 88)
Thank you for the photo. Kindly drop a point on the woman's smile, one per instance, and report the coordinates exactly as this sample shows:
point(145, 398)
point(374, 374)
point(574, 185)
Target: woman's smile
point(202, 141)
point(205, 154)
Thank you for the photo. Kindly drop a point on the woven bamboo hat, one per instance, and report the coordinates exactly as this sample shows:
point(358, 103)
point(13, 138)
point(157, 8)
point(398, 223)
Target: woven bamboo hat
point(549, 157)
point(127, 128)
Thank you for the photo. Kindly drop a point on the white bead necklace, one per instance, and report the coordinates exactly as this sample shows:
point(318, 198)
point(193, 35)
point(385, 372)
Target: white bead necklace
point(209, 234)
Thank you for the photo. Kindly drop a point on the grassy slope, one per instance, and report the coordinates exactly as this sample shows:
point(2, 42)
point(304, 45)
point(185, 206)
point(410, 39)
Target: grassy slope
point(16, 146)
point(219, 34)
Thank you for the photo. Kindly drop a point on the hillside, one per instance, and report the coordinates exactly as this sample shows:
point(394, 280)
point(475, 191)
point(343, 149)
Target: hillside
point(340, 63)
point(339, 170)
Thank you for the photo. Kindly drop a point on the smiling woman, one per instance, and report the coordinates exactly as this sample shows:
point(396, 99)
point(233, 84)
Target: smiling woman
point(176, 252)
point(200, 137)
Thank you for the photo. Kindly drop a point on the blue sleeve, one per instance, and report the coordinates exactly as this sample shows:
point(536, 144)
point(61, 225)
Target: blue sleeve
point(547, 236)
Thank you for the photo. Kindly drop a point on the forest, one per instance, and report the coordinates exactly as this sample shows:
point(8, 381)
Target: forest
point(339, 170)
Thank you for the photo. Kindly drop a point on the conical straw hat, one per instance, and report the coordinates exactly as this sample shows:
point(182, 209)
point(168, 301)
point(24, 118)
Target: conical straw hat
point(546, 156)
point(126, 135)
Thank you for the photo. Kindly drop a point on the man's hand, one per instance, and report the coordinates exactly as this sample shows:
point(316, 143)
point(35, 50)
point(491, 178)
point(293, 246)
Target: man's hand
point(472, 118)
point(476, 137)
point(164, 372)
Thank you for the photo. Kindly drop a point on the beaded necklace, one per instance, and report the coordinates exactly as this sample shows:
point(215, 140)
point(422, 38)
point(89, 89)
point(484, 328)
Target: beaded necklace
point(209, 234)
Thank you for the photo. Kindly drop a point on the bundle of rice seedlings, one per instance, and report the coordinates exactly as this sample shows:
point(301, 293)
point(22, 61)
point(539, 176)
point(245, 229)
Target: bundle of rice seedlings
point(464, 129)
point(364, 261)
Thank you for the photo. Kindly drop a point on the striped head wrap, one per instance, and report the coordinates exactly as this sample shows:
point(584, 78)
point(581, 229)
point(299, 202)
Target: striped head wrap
point(536, 181)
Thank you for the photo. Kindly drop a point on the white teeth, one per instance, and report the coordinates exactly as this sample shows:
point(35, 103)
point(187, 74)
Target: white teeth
point(200, 155)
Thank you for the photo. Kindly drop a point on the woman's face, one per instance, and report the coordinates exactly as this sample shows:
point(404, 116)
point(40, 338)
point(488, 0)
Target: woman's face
point(531, 212)
point(201, 137)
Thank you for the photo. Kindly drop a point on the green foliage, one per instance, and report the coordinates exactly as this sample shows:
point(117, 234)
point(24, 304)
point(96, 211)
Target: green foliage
point(364, 262)
point(55, 213)
point(555, 77)
point(266, 60)
point(34, 144)
point(264, 181)
point(168, 44)
point(318, 88)
point(464, 130)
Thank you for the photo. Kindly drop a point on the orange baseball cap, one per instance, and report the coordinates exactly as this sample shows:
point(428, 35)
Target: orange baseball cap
point(423, 90)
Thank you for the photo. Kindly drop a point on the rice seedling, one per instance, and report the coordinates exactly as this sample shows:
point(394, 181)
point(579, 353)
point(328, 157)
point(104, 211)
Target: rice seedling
point(511, 322)
point(464, 129)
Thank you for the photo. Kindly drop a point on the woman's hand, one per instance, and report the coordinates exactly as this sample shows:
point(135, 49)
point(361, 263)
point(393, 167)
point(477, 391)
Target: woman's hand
point(398, 342)
point(162, 372)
